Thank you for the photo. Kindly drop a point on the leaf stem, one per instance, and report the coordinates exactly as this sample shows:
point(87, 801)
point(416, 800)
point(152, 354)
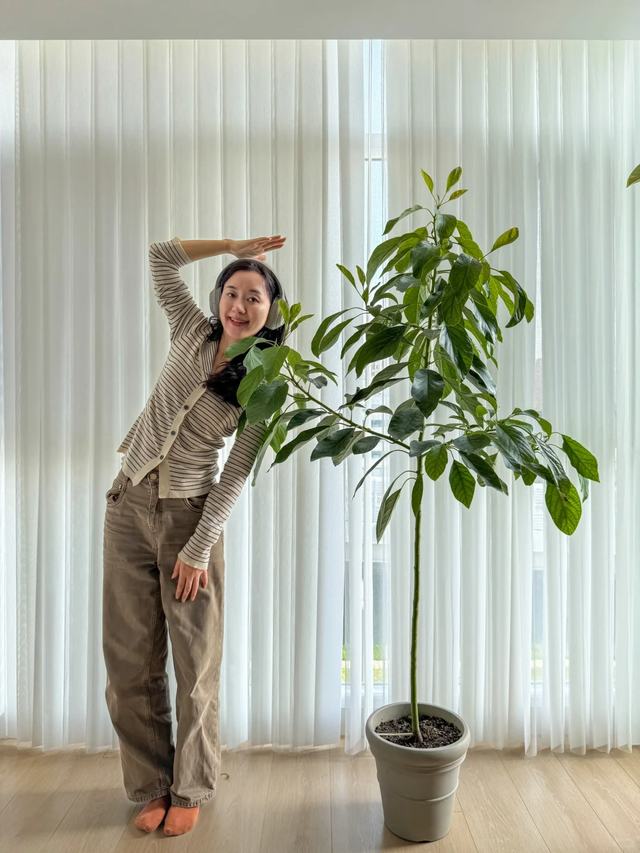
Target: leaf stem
point(345, 419)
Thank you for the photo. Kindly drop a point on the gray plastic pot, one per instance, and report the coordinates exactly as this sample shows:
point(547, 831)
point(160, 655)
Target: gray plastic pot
point(418, 786)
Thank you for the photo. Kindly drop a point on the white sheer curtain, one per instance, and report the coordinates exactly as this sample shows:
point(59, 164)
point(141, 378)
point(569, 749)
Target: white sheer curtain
point(535, 639)
point(107, 146)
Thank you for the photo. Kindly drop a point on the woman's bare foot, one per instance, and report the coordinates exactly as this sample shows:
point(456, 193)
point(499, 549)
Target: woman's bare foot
point(153, 813)
point(180, 820)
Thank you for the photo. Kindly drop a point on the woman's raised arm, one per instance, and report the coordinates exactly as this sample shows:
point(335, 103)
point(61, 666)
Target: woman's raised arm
point(199, 249)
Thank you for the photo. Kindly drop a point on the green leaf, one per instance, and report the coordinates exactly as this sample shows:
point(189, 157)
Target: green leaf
point(364, 445)
point(541, 471)
point(584, 487)
point(405, 422)
point(381, 345)
point(529, 310)
point(296, 442)
point(484, 470)
point(380, 254)
point(266, 441)
point(513, 442)
point(504, 239)
point(272, 359)
point(445, 226)
point(381, 380)
point(377, 462)
point(528, 477)
point(427, 390)
point(560, 477)
point(485, 317)
point(435, 461)
point(322, 328)
point(464, 274)
point(565, 510)
point(300, 320)
point(546, 426)
point(454, 177)
point(347, 274)
point(428, 180)
point(471, 442)
point(417, 448)
point(284, 310)
point(457, 344)
point(457, 194)
point(481, 376)
point(354, 337)
point(265, 400)
point(279, 435)
point(387, 506)
point(391, 223)
point(296, 308)
point(242, 422)
point(634, 177)
point(450, 307)
point(467, 242)
point(582, 460)
point(249, 384)
point(331, 337)
point(254, 358)
point(520, 296)
point(425, 257)
point(241, 346)
point(416, 495)
point(462, 483)
point(302, 416)
point(333, 444)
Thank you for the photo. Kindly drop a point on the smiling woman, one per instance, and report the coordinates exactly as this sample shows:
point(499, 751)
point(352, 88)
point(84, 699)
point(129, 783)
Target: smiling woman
point(247, 290)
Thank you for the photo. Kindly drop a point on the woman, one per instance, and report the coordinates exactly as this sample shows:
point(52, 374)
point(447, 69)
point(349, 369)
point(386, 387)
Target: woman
point(163, 534)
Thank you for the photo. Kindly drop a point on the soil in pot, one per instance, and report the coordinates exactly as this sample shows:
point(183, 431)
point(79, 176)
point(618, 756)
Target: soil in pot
point(435, 731)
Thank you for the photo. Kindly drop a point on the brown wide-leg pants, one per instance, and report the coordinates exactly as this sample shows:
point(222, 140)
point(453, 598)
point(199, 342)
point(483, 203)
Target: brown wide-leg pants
point(142, 537)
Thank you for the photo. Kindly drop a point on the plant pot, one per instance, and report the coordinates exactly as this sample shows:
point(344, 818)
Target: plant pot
point(417, 785)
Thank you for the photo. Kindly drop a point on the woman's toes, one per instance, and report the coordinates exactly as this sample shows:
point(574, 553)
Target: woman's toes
point(179, 820)
point(153, 814)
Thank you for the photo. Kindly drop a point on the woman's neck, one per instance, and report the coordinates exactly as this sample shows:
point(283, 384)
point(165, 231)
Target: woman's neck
point(219, 359)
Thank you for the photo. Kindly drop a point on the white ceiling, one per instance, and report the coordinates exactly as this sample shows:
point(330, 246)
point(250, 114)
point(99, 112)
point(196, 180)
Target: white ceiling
point(319, 19)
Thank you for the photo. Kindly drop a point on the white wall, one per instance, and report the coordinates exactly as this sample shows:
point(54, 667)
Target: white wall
point(314, 19)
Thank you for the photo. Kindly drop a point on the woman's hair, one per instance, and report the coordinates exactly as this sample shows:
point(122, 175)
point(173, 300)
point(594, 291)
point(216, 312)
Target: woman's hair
point(225, 383)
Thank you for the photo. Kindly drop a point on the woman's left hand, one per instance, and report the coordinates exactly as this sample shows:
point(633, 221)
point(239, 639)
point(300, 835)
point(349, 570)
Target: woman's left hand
point(189, 579)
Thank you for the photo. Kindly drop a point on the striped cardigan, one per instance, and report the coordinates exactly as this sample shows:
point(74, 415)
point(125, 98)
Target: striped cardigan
point(181, 428)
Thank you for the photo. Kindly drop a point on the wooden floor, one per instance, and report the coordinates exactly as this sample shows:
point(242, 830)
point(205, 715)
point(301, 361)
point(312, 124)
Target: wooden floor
point(326, 802)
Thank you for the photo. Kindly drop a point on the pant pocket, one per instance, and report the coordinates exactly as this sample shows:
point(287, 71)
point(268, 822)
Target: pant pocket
point(115, 494)
point(195, 502)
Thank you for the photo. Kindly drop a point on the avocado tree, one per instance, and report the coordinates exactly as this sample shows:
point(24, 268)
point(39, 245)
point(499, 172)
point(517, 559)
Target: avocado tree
point(440, 330)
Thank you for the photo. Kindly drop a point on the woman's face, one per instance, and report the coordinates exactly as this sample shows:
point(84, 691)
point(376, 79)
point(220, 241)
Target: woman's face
point(244, 297)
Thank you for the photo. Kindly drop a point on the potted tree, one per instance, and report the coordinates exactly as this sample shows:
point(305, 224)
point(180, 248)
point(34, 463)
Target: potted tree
point(442, 328)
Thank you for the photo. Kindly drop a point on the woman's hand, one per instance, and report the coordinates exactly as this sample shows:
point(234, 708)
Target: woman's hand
point(256, 247)
point(189, 579)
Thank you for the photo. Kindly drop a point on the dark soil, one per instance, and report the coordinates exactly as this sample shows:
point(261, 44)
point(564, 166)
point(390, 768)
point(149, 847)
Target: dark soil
point(435, 731)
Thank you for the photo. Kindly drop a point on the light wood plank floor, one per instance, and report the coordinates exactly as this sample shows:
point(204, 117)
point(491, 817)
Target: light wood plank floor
point(326, 802)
